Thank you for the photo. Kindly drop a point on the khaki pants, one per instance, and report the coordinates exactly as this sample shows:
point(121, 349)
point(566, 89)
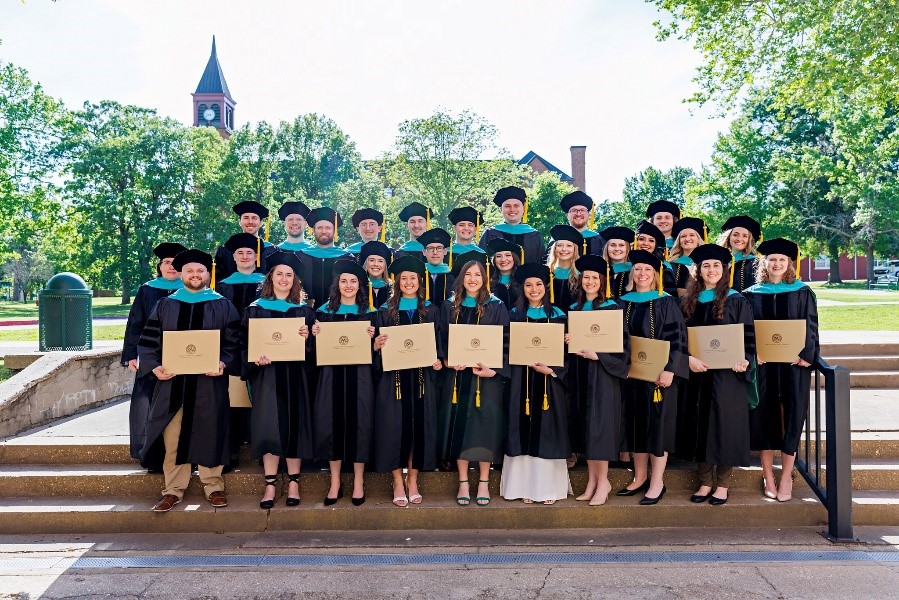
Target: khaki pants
point(177, 477)
point(714, 476)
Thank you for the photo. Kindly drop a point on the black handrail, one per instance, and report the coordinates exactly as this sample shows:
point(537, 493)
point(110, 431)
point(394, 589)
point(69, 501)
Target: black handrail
point(833, 483)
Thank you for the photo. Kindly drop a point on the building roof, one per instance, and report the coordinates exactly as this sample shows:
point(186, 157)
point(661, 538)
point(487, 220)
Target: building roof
point(530, 156)
point(213, 80)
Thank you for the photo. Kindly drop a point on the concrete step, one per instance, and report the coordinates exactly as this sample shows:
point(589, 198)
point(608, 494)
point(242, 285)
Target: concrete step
point(865, 444)
point(859, 349)
point(866, 363)
point(874, 379)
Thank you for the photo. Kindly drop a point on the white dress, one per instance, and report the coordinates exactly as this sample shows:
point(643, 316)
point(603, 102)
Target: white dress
point(539, 479)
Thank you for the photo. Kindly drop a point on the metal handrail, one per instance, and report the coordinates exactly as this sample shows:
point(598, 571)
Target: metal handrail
point(832, 481)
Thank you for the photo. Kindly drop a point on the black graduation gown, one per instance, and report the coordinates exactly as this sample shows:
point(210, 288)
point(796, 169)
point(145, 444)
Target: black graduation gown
point(405, 426)
point(744, 274)
point(204, 426)
point(777, 422)
point(281, 417)
point(618, 283)
point(318, 275)
point(713, 409)
point(141, 307)
point(225, 265)
point(563, 297)
point(533, 431)
point(681, 275)
point(594, 401)
point(506, 292)
point(595, 245)
point(467, 431)
point(381, 295)
point(344, 407)
point(650, 426)
point(531, 243)
point(441, 287)
point(241, 295)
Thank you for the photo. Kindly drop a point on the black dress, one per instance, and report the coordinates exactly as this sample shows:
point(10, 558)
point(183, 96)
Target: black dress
point(146, 298)
point(405, 406)
point(649, 425)
point(344, 405)
point(777, 421)
point(281, 417)
point(713, 411)
point(594, 399)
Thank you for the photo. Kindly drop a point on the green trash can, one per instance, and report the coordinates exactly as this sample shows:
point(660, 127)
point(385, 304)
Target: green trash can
point(65, 314)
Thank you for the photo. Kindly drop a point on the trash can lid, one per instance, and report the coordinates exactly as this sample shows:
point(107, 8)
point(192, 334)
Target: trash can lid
point(63, 282)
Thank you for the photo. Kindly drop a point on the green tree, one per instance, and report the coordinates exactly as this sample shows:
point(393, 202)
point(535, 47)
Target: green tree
point(645, 187)
point(544, 195)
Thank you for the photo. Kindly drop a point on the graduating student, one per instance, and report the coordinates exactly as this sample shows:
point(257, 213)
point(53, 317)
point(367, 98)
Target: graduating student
point(564, 251)
point(471, 421)
point(777, 422)
point(167, 281)
point(369, 223)
point(417, 218)
point(650, 238)
point(344, 400)
point(294, 214)
point(467, 228)
point(713, 414)
point(281, 421)
point(579, 210)
point(251, 214)
point(537, 444)
point(439, 282)
point(318, 260)
point(619, 241)
point(242, 286)
point(505, 256)
point(664, 214)
point(513, 203)
point(740, 235)
point(594, 387)
point(188, 418)
point(650, 408)
point(689, 233)
point(406, 399)
point(375, 258)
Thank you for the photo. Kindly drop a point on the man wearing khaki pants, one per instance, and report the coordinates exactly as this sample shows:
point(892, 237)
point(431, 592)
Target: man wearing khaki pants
point(189, 414)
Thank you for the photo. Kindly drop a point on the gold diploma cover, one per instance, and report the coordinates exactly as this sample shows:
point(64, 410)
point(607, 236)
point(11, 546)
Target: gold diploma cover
point(648, 358)
point(780, 341)
point(537, 342)
point(409, 347)
point(473, 344)
point(597, 330)
point(277, 339)
point(194, 352)
point(238, 394)
point(718, 346)
point(343, 343)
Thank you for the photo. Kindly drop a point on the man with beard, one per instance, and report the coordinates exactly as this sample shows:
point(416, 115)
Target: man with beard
point(188, 418)
point(370, 225)
point(318, 260)
point(513, 203)
point(251, 214)
point(578, 208)
point(294, 214)
point(417, 218)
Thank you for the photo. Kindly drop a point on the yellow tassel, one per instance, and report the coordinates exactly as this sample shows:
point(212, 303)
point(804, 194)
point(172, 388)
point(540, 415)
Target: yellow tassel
point(657, 395)
point(730, 281)
point(661, 285)
point(399, 395)
point(593, 217)
point(268, 227)
point(488, 275)
point(383, 232)
point(705, 233)
point(477, 226)
point(666, 252)
point(608, 283)
point(585, 246)
point(798, 265)
point(552, 290)
point(428, 218)
point(527, 407)
point(477, 395)
point(311, 231)
point(521, 255)
point(212, 279)
point(545, 396)
point(524, 218)
point(451, 257)
point(335, 228)
point(527, 391)
point(634, 245)
point(427, 285)
point(761, 238)
point(455, 395)
point(371, 296)
point(258, 252)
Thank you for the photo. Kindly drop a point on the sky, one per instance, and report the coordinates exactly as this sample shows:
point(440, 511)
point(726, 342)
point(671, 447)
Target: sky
point(548, 74)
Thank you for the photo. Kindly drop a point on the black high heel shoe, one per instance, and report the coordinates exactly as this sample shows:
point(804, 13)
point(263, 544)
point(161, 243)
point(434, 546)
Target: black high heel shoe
point(626, 492)
point(333, 501)
point(358, 501)
point(270, 480)
point(291, 501)
point(647, 501)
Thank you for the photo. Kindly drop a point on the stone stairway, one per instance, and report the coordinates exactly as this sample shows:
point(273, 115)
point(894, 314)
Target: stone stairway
point(873, 365)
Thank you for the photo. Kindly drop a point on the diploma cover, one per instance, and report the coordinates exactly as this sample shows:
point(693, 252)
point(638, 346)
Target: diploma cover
point(537, 342)
point(597, 330)
point(780, 341)
point(718, 346)
point(238, 394)
point(409, 347)
point(192, 352)
point(648, 358)
point(277, 339)
point(473, 344)
point(343, 343)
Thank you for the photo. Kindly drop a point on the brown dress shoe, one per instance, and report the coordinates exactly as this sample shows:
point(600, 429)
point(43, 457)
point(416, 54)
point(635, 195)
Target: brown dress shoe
point(166, 503)
point(218, 499)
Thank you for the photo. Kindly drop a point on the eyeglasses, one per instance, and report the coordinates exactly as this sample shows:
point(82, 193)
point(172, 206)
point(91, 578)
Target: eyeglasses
point(434, 249)
point(578, 211)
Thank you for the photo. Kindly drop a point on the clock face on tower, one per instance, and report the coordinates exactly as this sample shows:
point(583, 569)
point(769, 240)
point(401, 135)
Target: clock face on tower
point(209, 114)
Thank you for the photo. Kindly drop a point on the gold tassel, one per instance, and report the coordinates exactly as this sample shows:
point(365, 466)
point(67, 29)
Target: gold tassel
point(527, 392)
point(657, 395)
point(608, 283)
point(212, 279)
point(798, 265)
point(455, 395)
point(661, 285)
point(705, 233)
point(488, 275)
point(593, 217)
point(524, 218)
point(730, 281)
point(761, 237)
point(585, 246)
point(335, 228)
point(552, 290)
point(268, 226)
point(427, 285)
point(383, 232)
point(477, 227)
point(371, 296)
point(428, 218)
point(545, 396)
point(477, 395)
point(258, 252)
point(451, 257)
point(521, 255)
point(666, 252)
point(399, 394)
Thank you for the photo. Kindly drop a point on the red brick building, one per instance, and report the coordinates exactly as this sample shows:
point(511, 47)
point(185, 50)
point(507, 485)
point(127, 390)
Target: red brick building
point(578, 166)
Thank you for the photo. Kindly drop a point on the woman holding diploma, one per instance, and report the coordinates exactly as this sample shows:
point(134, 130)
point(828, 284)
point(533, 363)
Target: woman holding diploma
point(618, 243)
point(713, 413)
point(344, 400)
point(505, 256)
point(650, 408)
point(776, 423)
point(472, 420)
point(740, 235)
point(375, 257)
point(688, 234)
point(281, 417)
point(537, 445)
point(564, 251)
point(405, 400)
point(594, 387)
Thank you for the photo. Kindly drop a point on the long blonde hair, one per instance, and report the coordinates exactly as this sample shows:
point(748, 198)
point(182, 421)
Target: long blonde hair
point(761, 274)
point(630, 280)
point(552, 262)
point(724, 241)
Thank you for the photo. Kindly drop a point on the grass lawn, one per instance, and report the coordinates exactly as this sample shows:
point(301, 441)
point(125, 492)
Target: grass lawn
point(29, 334)
point(4, 372)
point(878, 317)
point(102, 307)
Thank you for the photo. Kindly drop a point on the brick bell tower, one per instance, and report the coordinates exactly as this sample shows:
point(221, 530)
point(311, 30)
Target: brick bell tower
point(213, 104)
